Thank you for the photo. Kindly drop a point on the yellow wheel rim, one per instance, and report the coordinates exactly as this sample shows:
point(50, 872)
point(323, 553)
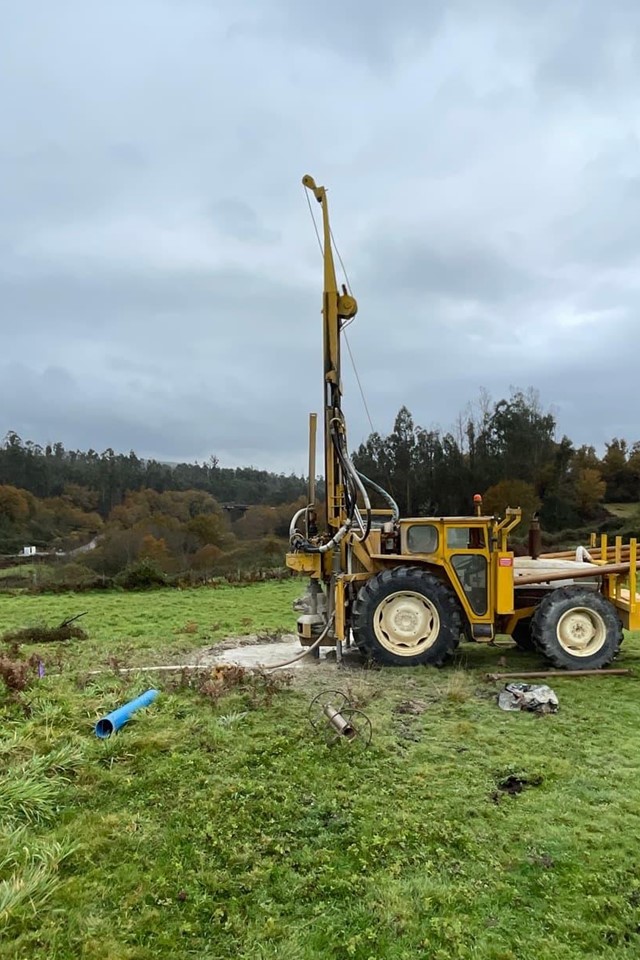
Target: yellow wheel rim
point(581, 632)
point(406, 623)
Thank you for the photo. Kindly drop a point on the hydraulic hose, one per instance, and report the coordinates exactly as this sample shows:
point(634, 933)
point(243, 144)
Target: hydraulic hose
point(351, 474)
point(384, 494)
point(365, 496)
point(353, 485)
point(298, 542)
point(201, 666)
point(296, 517)
point(316, 643)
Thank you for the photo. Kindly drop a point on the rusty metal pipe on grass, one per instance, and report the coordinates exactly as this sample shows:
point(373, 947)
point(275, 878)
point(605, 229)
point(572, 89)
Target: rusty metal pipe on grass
point(558, 673)
point(337, 721)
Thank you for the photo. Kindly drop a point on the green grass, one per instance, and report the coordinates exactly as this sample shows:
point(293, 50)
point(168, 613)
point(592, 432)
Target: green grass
point(626, 510)
point(229, 830)
point(155, 627)
point(22, 571)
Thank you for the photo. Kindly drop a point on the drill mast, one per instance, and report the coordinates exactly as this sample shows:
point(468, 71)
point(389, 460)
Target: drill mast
point(337, 306)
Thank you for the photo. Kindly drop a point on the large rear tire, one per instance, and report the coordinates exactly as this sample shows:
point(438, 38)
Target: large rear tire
point(577, 629)
point(406, 617)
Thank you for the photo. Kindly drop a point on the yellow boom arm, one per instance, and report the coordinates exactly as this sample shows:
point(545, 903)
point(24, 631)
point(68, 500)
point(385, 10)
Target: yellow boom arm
point(336, 307)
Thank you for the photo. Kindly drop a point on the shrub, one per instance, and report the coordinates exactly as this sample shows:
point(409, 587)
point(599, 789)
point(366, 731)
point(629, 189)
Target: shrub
point(251, 557)
point(74, 576)
point(144, 574)
point(205, 558)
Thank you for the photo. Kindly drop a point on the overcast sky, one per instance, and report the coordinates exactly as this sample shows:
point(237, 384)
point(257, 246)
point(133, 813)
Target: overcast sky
point(160, 280)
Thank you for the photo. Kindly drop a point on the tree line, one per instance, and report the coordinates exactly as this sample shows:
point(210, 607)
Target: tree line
point(509, 452)
point(148, 538)
point(169, 517)
point(133, 510)
point(47, 471)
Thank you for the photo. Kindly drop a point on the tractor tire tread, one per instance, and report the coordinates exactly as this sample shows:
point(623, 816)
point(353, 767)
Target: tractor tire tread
point(560, 601)
point(407, 578)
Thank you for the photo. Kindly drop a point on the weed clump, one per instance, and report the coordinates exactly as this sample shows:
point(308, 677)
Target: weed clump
point(260, 685)
point(16, 672)
point(222, 679)
point(38, 633)
point(458, 688)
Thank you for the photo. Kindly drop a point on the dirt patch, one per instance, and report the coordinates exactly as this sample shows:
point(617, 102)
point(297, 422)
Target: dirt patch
point(414, 707)
point(250, 640)
point(542, 860)
point(513, 785)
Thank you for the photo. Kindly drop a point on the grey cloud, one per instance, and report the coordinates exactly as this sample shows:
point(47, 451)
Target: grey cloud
point(593, 46)
point(168, 423)
point(603, 229)
point(159, 280)
point(238, 220)
point(375, 33)
point(415, 267)
point(146, 303)
point(129, 155)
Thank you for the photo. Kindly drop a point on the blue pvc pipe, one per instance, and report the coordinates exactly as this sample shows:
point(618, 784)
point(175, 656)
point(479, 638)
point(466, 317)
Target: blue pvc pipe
point(117, 718)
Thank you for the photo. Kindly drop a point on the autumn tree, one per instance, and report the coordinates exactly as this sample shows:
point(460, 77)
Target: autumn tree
point(589, 490)
point(256, 522)
point(616, 472)
point(155, 549)
point(210, 528)
point(633, 468)
point(205, 558)
point(16, 508)
point(116, 550)
point(82, 497)
point(512, 493)
point(14, 503)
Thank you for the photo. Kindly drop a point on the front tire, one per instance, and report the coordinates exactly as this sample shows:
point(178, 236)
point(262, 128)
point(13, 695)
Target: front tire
point(406, 617)
point(577, 629)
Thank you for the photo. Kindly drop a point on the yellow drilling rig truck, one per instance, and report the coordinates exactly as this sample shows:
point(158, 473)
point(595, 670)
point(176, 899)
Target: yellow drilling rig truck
point(406, 591)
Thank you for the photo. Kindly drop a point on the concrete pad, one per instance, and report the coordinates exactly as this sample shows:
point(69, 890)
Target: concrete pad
point(253, 652)
point(265, 654)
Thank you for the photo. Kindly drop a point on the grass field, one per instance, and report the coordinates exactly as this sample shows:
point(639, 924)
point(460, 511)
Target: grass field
point(20, 571)
point(626, 510)
point(151, 628)
point(227, 829)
